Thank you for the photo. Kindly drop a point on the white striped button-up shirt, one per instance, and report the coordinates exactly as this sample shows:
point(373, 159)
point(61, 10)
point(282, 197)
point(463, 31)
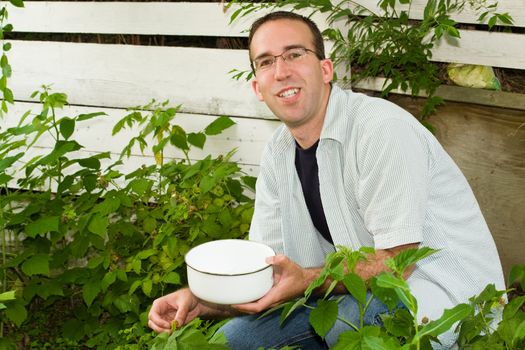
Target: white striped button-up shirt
point(384, 181)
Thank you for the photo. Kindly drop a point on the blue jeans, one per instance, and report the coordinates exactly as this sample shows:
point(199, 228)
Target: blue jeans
point(250, 333)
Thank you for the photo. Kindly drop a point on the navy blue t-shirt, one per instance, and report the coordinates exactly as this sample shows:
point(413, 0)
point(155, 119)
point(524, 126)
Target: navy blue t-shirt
point(308, 171)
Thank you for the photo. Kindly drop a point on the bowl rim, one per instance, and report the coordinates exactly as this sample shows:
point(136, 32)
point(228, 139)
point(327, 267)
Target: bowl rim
point(230, 274)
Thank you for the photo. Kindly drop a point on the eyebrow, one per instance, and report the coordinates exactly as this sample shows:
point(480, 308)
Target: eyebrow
point(288, 47)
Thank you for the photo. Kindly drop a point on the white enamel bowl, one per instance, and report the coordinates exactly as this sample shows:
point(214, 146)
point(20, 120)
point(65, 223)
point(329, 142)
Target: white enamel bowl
point(229, 271)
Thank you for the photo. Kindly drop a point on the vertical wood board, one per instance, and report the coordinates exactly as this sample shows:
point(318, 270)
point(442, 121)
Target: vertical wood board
point(488, 144)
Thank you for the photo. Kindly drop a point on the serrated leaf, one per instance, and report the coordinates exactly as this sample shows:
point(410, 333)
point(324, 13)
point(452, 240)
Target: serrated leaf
point(371, 342)
point(218, 125)
point(408, 257)
point(38, 264)
point(8, 161)
point(323, 317)
point(90, 291)
point(108, 206)
point(445, 322)
point(356, 286)
point(17, 313)
point(42, 226)
point(349, 340)
point(98, 225)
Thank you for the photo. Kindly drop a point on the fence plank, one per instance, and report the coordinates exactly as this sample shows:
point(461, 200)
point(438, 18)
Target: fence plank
point(516, 8)
point(92, 75)
point(181, 18)
point(506, 50)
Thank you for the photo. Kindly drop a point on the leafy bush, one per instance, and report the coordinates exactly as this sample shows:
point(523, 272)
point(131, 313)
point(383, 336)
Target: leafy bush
point(95, 246)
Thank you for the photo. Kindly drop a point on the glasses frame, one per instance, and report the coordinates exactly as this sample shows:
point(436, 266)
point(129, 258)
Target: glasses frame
point(275, 57)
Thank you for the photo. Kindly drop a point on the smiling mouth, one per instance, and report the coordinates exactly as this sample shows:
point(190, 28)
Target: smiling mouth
point(289, 92)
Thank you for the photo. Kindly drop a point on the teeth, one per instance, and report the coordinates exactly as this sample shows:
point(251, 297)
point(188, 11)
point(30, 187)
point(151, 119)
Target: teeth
point(289, 93)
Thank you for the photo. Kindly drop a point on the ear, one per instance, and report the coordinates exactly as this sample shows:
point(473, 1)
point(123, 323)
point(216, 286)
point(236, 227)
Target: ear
point(255, 87)
point(327, 68)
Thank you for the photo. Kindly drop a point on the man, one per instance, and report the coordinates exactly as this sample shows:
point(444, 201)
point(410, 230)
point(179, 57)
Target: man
point(344, 169)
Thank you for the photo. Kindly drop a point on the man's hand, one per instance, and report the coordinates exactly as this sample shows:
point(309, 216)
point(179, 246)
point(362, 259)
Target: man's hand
point(289, 282)
point(181, 306)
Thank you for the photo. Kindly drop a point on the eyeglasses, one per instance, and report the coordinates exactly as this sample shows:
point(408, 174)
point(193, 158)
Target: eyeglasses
point(289, 56)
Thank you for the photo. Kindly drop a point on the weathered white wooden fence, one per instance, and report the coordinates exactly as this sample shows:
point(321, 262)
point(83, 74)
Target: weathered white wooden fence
point(111, 78)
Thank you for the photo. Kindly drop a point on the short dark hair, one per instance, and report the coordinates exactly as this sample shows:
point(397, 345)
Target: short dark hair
point(273, 16)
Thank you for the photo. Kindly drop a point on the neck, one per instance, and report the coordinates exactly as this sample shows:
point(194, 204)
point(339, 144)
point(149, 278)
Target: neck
point(309, 133)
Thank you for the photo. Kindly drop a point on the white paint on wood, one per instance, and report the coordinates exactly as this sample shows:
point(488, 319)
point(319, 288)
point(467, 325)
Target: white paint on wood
point(166, 18)
point(183, 18)
point(125, 75)
point(468, 15)
point(506, 50)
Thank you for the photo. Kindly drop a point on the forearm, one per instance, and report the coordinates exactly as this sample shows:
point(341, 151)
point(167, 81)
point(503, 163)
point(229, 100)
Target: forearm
point(373, 266)
point(216, 311)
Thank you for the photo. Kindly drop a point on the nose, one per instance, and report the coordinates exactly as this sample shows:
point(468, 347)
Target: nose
point(281, 69)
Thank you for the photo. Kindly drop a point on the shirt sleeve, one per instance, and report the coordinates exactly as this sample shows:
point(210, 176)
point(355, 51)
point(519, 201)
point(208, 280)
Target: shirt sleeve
point(266, 221)
point(393, 167)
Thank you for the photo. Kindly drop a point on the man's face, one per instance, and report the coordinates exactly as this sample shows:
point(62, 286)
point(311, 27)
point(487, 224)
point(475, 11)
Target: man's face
point(295, 92)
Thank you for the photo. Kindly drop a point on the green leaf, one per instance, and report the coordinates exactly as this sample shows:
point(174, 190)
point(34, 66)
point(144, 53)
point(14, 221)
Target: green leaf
point(42, 226)
point(445, 322)
point(67, 127)
point(377, 343)
point(249, 181)
point(87, 116)
point(109, 278)
point(146, 253)
point(517, 273)
point(356, 286)
point(178, 138)
point(520, 332)
point(6, 296)
point(323, 317)
point(197, 139)
point(140, 186)
point(17, 3)
point(61, 148)
point(218, 125)
point(408, 257)
point(513, 306)
point(17, 313)
point(90, 291)
point(108, 206)
point(38, 264)
point(147, 285)
point(91, 163)
point(172, 278)
point(349, 340)
point(207, 183)
point(98, 225)
point(8, 161)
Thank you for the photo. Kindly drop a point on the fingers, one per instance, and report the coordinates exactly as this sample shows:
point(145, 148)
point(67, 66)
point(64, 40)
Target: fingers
point(158, 317)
